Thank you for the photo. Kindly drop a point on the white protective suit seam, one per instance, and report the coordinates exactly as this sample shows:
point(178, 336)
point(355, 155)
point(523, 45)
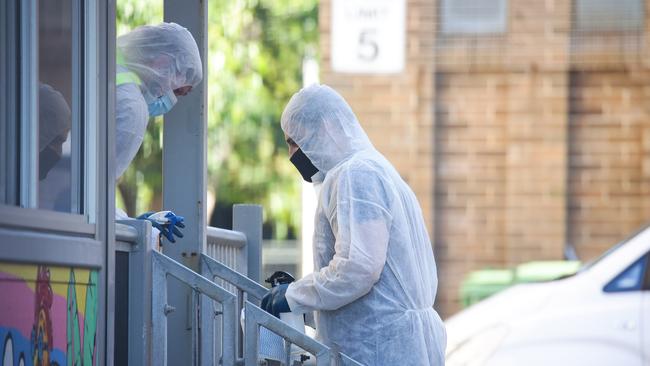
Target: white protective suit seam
point(369, 203)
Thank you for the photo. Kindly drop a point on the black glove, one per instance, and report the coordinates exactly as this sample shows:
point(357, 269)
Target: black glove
point(275, 302)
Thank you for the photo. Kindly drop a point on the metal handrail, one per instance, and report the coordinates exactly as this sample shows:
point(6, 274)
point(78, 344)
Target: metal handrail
point(226, 237)
point(212, 268)
point(126, 233)
point(256, 317)
point(163, 266)
point(240, 281)
point(347, 360)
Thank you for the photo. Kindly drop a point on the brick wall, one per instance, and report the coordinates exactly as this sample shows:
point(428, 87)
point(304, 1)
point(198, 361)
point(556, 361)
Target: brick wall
point(609, 139)
point(514, 143)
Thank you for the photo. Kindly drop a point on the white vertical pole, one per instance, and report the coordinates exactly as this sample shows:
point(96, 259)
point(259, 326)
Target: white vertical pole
point(309, 194)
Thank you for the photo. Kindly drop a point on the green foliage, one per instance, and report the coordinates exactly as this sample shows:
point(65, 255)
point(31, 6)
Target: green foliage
point(134, 13)
point(140, 188)
point(256, 53)
point(256, 49)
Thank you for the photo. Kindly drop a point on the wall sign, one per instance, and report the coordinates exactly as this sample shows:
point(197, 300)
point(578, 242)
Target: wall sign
point(368, 36)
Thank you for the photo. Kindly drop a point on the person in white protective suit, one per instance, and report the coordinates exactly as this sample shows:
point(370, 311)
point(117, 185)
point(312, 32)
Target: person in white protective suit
point(155, 65)
point(375, 281)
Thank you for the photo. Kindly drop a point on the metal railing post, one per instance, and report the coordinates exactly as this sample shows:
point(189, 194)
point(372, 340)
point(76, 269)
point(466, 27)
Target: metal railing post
point(207, 330)
point(139, 296)
point(248, 220)
point(251, 340)
point(163, 266)
point(159, 310)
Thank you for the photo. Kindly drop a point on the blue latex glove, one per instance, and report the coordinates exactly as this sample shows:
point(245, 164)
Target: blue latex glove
point(166, 222)
point(275, 302)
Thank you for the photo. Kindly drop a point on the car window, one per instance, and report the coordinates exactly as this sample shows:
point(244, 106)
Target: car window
point(632, 279)
point(641, 234)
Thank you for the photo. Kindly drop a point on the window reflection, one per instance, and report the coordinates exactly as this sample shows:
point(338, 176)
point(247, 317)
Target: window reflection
point(55, 121)
point(55, 102)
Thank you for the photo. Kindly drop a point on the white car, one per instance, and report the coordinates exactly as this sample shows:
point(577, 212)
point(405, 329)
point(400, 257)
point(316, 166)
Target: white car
point(599, 316)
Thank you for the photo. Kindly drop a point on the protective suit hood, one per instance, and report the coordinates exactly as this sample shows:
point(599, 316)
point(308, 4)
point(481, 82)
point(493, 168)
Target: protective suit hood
point(164, 56)
point(323, 125)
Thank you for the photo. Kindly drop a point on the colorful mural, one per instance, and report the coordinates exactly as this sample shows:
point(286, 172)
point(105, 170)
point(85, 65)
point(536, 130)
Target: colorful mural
point(48, 315)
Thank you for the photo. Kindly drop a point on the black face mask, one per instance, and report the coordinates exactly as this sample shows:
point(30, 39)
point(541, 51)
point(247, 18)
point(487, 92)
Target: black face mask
point(304, 165)
point(47, 159)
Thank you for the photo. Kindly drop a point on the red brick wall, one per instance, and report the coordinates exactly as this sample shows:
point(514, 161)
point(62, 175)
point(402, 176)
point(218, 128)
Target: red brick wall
point(609, 180)
point(500, 173)
point(514, 143)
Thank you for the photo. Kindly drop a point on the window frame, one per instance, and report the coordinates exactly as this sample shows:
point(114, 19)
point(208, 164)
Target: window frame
point(28, 115)
point(78, 107)
point(8, 102)
point(19, 202)
point(34, 236)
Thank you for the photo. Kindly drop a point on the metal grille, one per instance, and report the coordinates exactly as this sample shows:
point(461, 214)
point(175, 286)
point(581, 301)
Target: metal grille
point(470, 16)
point(231, 256)
point(560, 35)
point(609, 15)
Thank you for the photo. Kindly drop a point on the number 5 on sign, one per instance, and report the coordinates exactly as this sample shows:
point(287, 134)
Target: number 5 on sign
point(368, 48)
point(368, 36)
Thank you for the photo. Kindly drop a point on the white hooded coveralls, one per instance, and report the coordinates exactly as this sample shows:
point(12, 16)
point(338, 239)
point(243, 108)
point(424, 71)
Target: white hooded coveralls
point(375, 280)
point(153, 61)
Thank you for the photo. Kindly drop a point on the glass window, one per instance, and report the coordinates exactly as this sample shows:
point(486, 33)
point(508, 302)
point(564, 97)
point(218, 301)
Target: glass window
point(474, 17)
point(58, 160)
point(631, 279)
point(609, 15)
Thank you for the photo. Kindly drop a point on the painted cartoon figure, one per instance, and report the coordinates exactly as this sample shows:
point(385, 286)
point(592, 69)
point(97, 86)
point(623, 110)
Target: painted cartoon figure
point(42, 330)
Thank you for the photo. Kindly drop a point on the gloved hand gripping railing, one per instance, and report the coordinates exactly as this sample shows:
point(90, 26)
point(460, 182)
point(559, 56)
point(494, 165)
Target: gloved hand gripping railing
point(255, 317)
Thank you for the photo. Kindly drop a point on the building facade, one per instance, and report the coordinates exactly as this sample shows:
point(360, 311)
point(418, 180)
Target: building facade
point(523, 126)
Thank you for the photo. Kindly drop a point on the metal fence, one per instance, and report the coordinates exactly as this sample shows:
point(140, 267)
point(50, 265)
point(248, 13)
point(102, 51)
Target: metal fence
point(249, 294)
point(162, 267)
point(133, 293)
point(221, 291)
point(229, 248)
